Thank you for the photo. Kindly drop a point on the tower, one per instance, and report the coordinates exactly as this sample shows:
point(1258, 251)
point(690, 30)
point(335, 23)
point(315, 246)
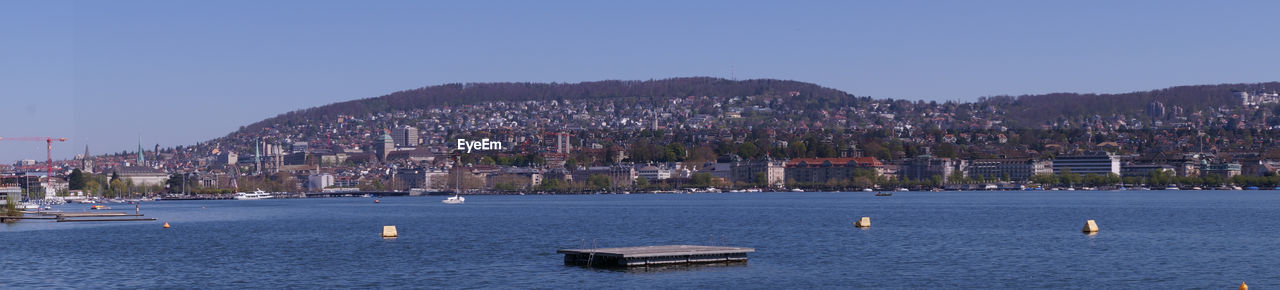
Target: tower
point(406, 136)
point(257, 157)
point(385, 147)
point(86, 162)
point(562, 143)
point(141, 159)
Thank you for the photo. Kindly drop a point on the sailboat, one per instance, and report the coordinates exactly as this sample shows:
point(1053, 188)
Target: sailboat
point(456, 198)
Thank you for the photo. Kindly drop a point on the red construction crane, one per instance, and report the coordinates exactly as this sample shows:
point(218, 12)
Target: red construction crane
point(49, 147)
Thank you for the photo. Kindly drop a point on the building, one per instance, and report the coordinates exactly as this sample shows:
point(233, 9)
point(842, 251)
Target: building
point(319, 181)
point(818, 170)
point(562, 143)
point(227, 158)
point(925, 167)
point(1155, 109)
point(1012, 169)
point(86, 162)
point(142, 175)
point(1225, 170)
point(619, 175)
point(654, 173)
point(435, 179)
point(406, 136)
point(1257, 98)
point(747, 172)
point(384, 146)
point(1145, 170)
point(10, 192)
point(514, 178)
point(1093, 162)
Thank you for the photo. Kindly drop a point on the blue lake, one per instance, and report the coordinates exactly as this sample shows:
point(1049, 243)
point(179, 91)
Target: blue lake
point(1148, 239)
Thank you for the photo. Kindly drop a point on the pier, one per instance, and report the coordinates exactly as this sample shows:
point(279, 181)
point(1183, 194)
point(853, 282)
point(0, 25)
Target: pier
point(78, 216)
point(98, 217)
point(654, 255)
point(355, 194)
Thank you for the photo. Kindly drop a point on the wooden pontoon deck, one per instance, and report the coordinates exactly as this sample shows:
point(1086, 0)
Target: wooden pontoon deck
point(654, 255)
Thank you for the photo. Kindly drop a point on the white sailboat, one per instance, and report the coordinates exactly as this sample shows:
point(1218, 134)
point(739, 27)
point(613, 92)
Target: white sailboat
point(457, 197)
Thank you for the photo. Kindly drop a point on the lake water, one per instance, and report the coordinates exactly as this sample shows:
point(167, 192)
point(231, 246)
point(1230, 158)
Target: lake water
point(1148, 239)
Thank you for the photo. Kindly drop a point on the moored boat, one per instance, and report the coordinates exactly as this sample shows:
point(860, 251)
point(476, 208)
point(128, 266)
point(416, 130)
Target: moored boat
point(455, 199)
point(256, 194)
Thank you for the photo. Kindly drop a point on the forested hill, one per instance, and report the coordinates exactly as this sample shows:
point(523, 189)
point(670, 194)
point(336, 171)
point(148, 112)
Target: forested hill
point(1038, 109)
point(1022, 111)
point(469, 93)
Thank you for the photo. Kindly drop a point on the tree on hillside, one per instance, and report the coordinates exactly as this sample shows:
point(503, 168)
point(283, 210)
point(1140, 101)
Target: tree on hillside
point(76, 180)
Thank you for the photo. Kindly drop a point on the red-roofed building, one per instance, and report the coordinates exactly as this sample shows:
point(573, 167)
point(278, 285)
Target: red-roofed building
point(812, 170)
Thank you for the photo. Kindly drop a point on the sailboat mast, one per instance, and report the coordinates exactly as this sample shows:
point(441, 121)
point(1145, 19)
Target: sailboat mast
point(457, 180)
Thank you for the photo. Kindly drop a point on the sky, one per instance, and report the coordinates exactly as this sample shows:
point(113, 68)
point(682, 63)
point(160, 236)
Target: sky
point(112, 74)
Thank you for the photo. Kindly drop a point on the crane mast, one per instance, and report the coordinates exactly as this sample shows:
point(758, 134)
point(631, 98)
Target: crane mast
point(48, 150)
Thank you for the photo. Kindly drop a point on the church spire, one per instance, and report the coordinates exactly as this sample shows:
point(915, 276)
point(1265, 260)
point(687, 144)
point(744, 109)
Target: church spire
point(141, 159)
point(86, 162)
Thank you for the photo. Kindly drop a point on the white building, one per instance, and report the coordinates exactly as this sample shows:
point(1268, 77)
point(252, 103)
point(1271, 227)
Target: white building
point(316, 182)
point(651, 172)
point(406, 136)
point(1094, 162)
point(142, 175)
point(12, 192)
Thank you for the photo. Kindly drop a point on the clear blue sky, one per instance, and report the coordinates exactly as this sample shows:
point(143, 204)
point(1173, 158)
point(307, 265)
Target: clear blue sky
point(107, 73)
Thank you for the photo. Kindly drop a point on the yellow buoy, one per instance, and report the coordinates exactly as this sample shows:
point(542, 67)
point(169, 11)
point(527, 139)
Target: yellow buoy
point(1090, 227)
point(389, 231)
point(865, 222)
point(1244, 286)
point(166, 225)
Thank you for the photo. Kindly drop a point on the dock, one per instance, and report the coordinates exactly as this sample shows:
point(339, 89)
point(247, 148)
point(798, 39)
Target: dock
point(654, 255)
point(78, 217)
point(106, 220)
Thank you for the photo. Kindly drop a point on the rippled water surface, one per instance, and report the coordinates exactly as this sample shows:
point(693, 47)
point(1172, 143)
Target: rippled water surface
point(1148, 239)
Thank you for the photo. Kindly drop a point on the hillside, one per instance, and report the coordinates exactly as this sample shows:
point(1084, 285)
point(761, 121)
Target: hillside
point(1033, 110)
point(471, 93)
point(1025, 111)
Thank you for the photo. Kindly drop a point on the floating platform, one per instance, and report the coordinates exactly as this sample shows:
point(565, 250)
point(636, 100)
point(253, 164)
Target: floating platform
point(78, 217)
point(93, 214)
point(654, 255)
point(107, 220)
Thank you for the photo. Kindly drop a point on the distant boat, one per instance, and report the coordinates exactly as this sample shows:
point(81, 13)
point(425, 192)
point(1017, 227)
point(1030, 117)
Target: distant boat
point(797, 190)
point(867, 190)
point(28, 206)
point(255, 195)
point(1172, 187)
point(99, 207)
point(901, 189)
point(455, 199)
point(884, 194)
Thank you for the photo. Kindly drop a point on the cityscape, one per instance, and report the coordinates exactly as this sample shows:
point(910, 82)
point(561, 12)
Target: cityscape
point(711, 144)
point(791, 136)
